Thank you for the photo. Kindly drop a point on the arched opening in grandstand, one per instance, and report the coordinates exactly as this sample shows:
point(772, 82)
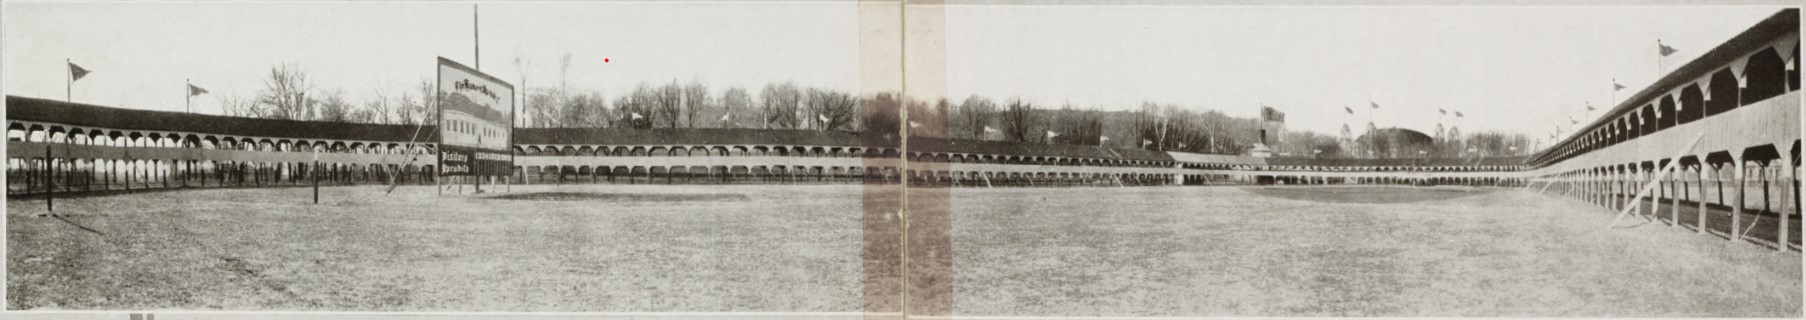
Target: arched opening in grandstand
point(1793, 69)
point(1723, 90)
point(1765, 76)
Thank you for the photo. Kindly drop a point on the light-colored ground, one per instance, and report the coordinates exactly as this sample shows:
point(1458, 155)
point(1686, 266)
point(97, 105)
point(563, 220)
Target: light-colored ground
point(1154, 251)
point(792, 248)
point(1271, 252)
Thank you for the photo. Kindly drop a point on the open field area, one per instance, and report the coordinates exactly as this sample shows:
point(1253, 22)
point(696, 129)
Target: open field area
point(1150, 251)
point(1344, 251)
point(649, 248)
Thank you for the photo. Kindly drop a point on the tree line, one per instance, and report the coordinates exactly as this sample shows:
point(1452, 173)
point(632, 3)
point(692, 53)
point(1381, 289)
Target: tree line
point(289, 93)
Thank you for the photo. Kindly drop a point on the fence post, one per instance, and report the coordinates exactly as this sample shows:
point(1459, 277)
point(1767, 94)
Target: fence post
point(1701, 199)
point(1737, 179)
point(50, 182)
point(1787, 174)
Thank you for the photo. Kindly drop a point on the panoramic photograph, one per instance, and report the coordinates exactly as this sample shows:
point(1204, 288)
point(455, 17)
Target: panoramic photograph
point(898, 160)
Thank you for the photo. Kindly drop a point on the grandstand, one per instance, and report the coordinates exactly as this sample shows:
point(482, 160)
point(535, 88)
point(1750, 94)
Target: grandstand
point(1739, 101)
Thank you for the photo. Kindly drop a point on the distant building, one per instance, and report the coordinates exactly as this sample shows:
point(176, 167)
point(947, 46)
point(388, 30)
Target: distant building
point(1272, 131)
point(1396, 143)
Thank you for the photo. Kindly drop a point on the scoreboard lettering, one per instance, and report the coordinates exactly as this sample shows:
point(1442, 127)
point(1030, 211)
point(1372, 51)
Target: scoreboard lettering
point(476, 122)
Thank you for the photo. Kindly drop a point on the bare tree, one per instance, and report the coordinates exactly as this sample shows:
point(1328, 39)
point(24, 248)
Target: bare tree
point(584, 111)
point(564, 70)
point(780, 105)
point(636, 109)
point(1019, 121)
point(927, 120)
point(428, 110)
point(669, 104)
point(285, 93)
point(734, 102)
point(403, 112)
point(832, 110)
point(544, 105)
point(1079, 127)
point(521, 66)
point(695, 101)
point(973, 116)
point(332, 107)
point(235, 106)
point(879, 117)
point(377, 109)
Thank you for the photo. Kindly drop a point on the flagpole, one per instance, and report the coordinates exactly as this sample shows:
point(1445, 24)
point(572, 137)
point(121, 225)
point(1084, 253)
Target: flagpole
point(188, 95)
point(476, 39)
point(1659, 62)
point(68, 81)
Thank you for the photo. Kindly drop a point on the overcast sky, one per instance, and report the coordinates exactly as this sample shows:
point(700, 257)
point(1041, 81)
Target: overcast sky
point(1508, 68)
point(141, 53)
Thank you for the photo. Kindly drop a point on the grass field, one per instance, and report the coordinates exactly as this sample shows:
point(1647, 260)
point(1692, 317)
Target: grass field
point(659, 249)
point(1152, 251)
point(1343, 251)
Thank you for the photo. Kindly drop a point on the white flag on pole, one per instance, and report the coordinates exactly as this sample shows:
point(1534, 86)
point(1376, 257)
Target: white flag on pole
point(823, 117)
point(637, 116)
point(990, 129)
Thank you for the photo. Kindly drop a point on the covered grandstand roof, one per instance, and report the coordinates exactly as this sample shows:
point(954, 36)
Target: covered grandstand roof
point(689, 136)
point(916, 144)
point(77, 114)
point(1215, 158)
point(1775, 26)
point(1396, 162)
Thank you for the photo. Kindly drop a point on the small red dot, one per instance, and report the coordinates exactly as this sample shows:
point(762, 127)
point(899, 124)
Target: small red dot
point(604, 60)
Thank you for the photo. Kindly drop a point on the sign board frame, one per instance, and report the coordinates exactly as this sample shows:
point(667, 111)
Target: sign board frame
point(454, 137)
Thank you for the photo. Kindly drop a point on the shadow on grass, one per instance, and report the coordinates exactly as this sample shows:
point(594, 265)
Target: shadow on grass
point(78, 225)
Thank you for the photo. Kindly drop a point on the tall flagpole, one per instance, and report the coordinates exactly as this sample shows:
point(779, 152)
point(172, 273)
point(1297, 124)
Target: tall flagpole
point(68, 81)
point(188, 95)
point(476, 47)
point(1659, 56)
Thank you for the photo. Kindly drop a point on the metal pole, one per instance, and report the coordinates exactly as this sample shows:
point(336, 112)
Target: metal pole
point(50, 171)
point(476, 47)
point(316, 176)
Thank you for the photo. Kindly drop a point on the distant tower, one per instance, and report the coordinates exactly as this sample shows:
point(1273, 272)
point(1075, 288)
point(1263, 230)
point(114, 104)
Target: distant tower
point(1272, 131)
